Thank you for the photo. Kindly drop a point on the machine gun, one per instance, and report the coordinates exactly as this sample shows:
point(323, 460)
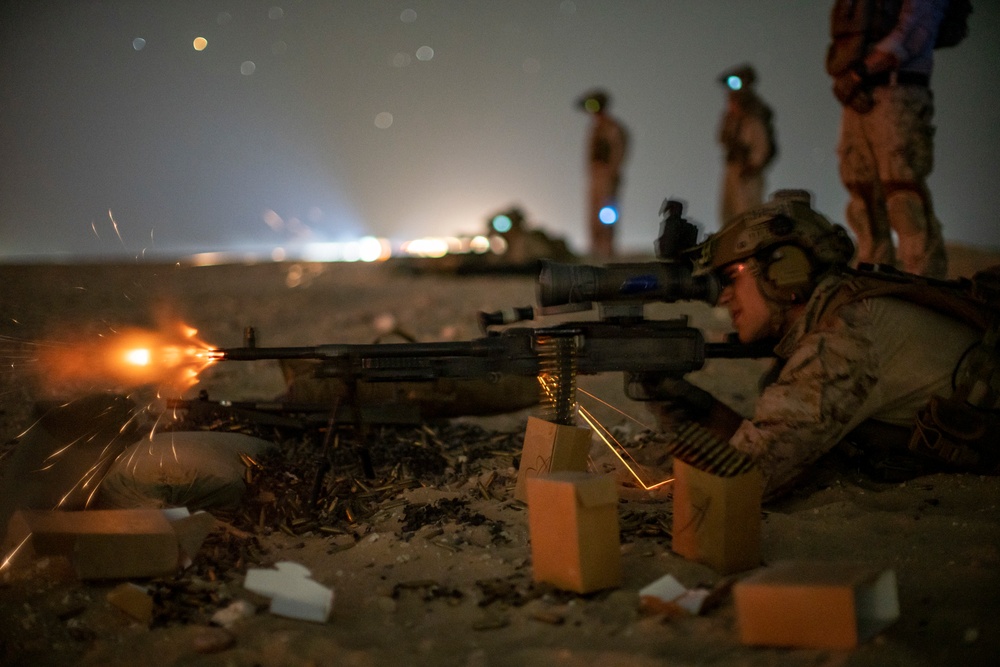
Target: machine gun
point(622, 339)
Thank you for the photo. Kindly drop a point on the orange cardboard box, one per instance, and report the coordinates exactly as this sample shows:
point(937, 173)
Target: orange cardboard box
point(109, 544)
point(815, 604)
point(573, 524)
point(550, 447)
point(717, 519)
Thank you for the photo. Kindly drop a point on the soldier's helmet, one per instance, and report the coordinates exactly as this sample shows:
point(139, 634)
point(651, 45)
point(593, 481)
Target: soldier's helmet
point(594, 101)
point(793, 243)
point(739, 77)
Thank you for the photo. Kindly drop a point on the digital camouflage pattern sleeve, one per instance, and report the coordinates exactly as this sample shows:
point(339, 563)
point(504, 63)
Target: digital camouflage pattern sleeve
point(844, 363)
point(815, 400)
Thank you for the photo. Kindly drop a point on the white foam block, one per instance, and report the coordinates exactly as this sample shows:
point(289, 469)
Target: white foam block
point(292, 591)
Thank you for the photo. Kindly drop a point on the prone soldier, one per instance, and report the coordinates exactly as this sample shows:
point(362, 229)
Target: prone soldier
point(860, 359)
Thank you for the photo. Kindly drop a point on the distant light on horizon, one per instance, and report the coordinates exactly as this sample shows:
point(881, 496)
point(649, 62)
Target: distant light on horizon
point(365, 249)
point(481, 244)
point(430, 247)
point(434, 247)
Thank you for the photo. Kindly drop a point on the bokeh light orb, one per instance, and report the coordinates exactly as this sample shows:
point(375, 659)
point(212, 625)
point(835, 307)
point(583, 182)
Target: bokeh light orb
point(200, 43)
point(502, 223)
point(138, 43)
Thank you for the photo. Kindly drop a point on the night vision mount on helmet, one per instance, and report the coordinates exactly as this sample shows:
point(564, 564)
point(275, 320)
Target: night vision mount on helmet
point(792, 243)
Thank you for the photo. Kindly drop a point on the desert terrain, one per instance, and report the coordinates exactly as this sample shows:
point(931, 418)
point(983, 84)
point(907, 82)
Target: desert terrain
point(433, 565)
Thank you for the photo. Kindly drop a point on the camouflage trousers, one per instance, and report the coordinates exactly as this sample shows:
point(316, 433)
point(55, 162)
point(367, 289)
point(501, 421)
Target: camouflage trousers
point(740, 191)
point(886, 156)
point(603, 191)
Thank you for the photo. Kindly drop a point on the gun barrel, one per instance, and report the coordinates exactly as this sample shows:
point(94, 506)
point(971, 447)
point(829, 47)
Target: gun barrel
point(405, 361)
point(349, 351)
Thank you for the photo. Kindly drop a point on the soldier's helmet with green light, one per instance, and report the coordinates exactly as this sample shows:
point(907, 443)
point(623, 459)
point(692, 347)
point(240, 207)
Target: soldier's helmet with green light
point(787, 219)
point(739, 78)
point(594, 100)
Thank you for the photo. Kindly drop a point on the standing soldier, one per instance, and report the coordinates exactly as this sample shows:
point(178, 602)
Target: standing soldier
point(748, 143)
point(607, 148)
point(880, 58)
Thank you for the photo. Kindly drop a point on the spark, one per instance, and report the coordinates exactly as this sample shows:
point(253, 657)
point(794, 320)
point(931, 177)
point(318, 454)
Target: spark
point(609, 439)
point(604, 435)
point(114, 224)
point(619, 411)
point(60, 451)
point(10, 556)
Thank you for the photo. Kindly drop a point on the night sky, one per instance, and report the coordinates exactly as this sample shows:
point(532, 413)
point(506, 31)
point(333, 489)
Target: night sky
point(326, 120)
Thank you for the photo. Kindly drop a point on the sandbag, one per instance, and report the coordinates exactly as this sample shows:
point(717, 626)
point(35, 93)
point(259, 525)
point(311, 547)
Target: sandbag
point(200, 470)
point(61, 458)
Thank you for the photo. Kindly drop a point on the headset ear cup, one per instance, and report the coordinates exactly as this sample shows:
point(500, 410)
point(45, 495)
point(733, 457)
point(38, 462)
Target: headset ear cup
point(790, 272)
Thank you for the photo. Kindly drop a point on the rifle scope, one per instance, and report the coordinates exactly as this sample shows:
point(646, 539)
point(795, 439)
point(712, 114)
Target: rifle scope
point(575, 286)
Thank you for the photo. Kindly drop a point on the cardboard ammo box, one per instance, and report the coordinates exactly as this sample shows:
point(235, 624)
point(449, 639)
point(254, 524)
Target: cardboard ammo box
point(815, 604)
point(717, 519)
point(550, 447)
point(573, 525)
point(109, 544)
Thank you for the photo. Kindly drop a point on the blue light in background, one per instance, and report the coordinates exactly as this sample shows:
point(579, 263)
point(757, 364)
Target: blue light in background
point(608, 215)
point(502, 224)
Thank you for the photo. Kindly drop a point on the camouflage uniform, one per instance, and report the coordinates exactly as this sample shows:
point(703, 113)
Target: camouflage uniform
point(606, 151)
point(886, 146)
point(745, 136)
point(843, 368)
